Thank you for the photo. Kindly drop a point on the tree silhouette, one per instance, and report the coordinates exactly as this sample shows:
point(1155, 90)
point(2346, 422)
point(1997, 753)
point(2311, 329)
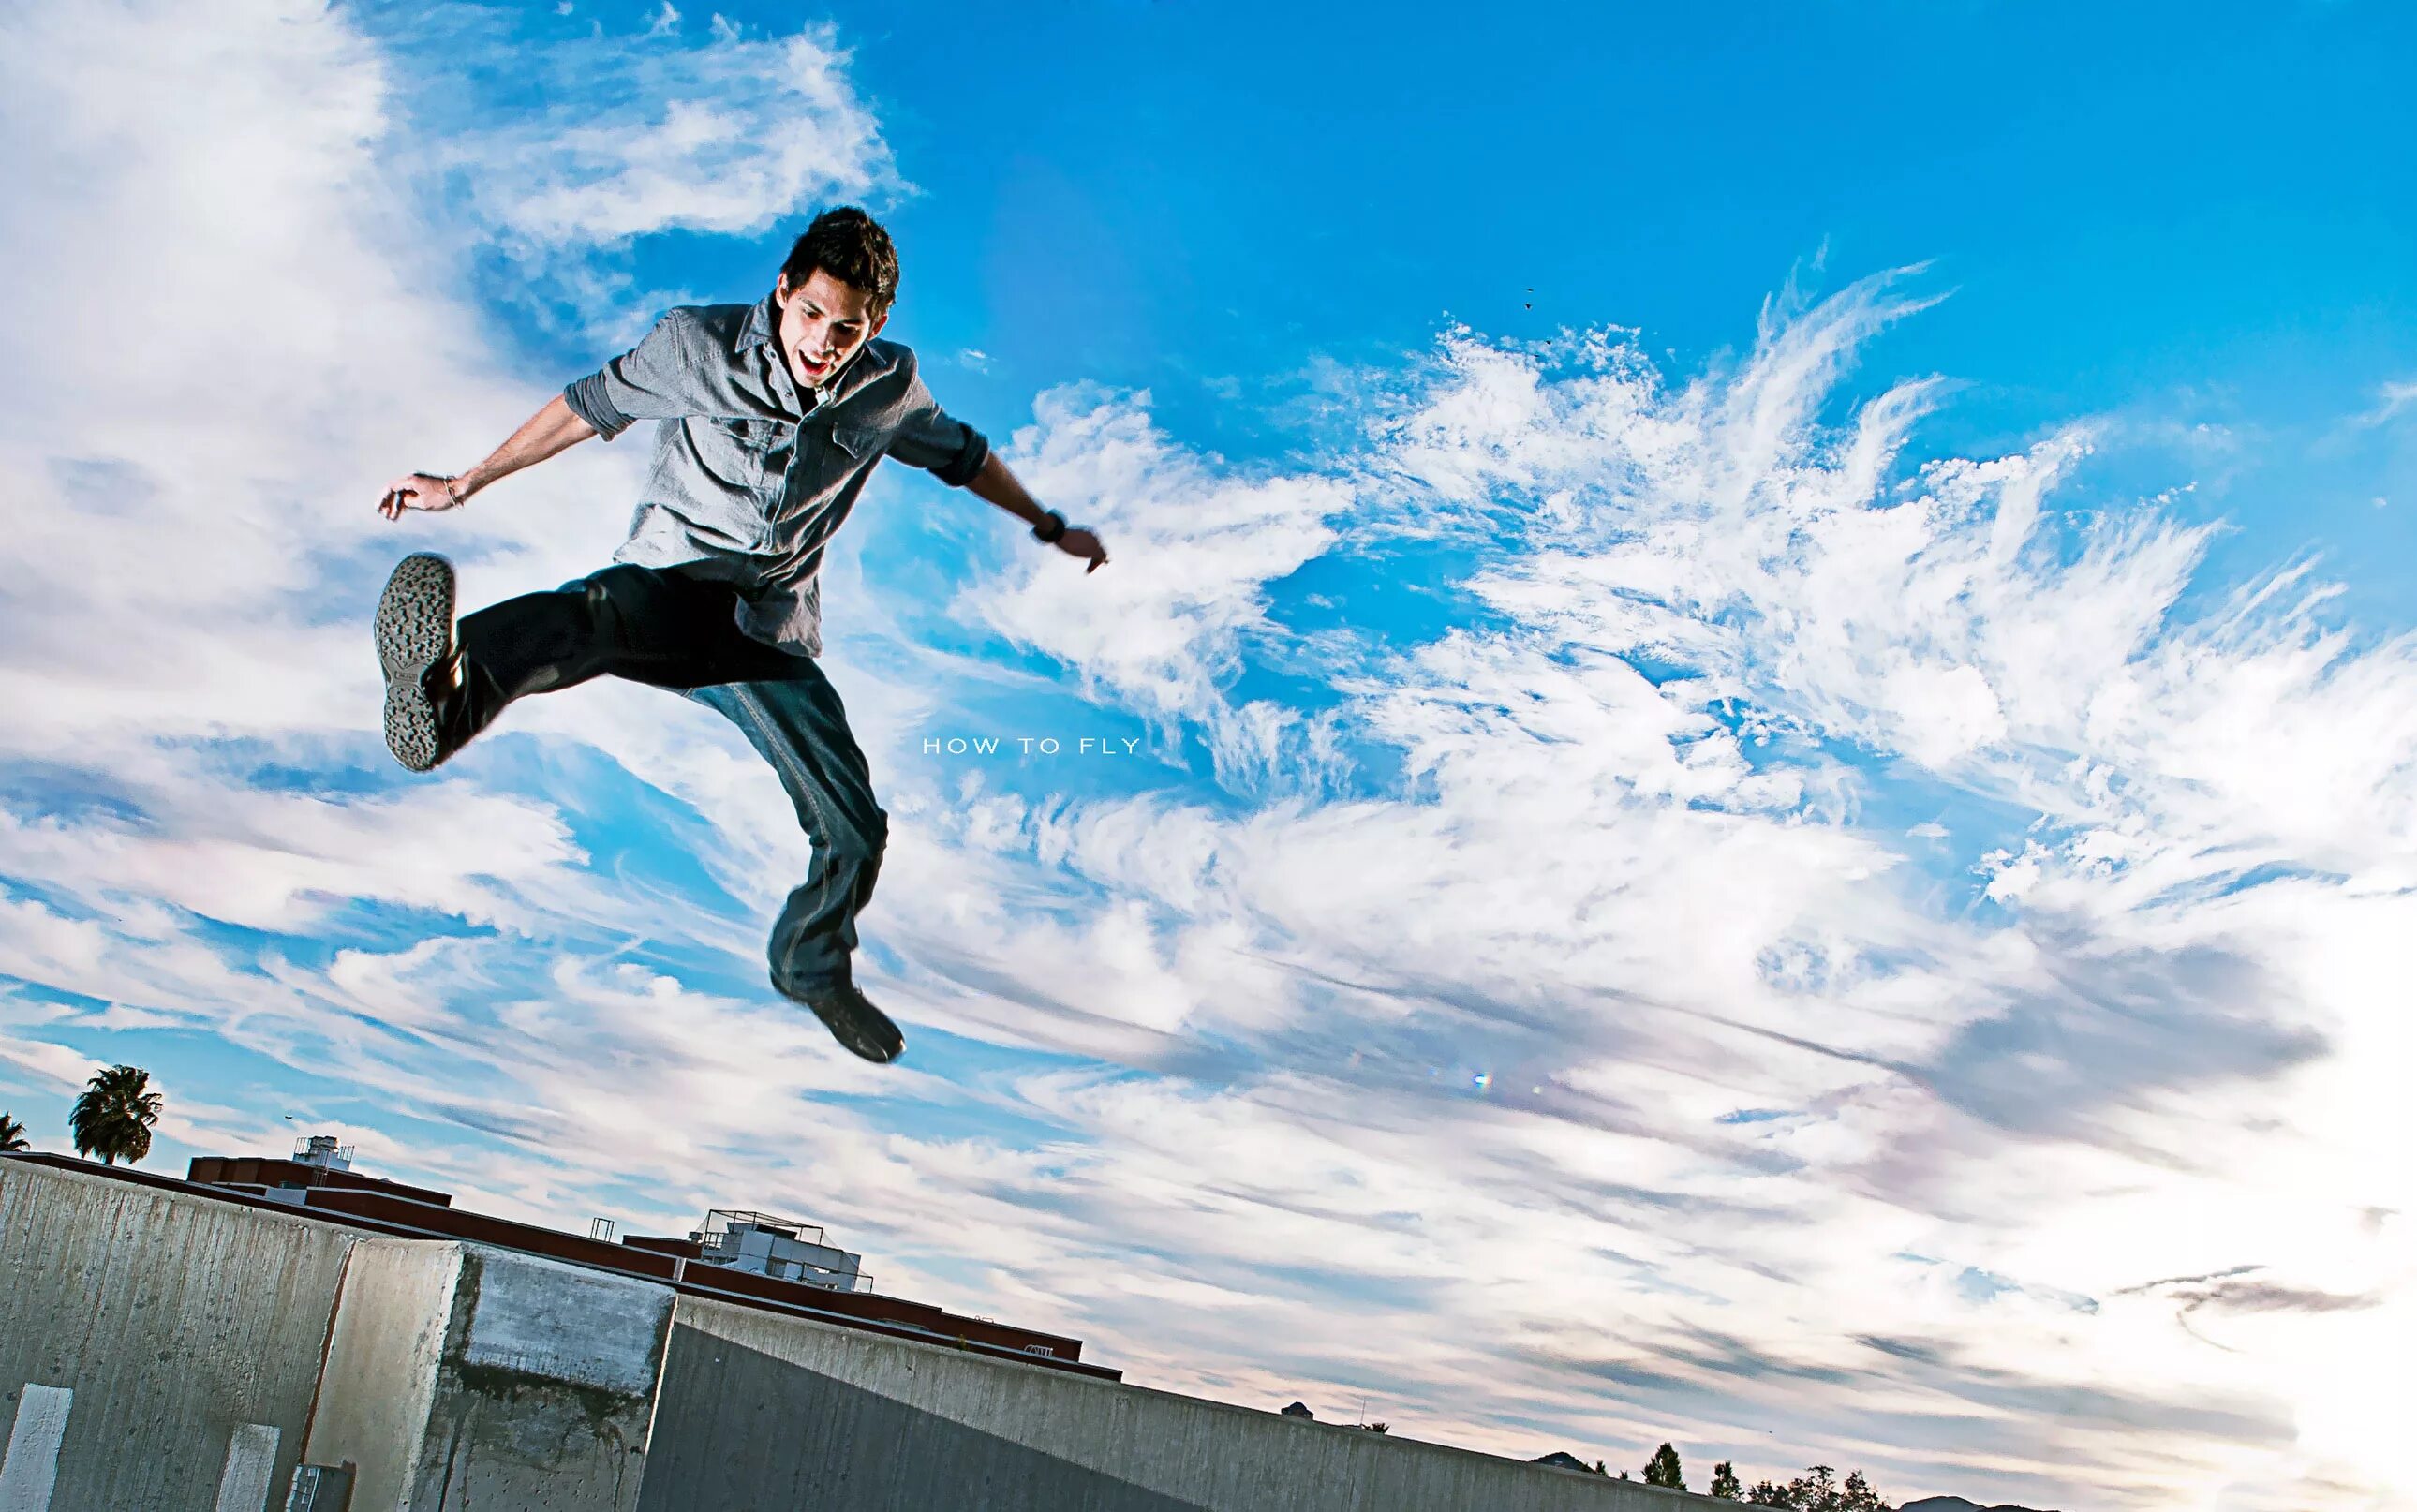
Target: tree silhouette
point(1662, 1470)
point(1724, 1482)
point(1819, 1490)
point(112, 1118)
point(12, 1136)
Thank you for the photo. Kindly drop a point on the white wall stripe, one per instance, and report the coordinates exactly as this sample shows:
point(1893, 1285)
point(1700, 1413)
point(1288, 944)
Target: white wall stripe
point(33, 1463)
point(251, 1462)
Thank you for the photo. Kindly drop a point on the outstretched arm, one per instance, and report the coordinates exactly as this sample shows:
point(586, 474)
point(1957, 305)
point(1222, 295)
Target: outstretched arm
point(554, 429)
point(996, 484)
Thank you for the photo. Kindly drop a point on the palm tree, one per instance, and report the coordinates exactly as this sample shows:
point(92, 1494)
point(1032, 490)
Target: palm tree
point(12, 1136)
point(114, 1117)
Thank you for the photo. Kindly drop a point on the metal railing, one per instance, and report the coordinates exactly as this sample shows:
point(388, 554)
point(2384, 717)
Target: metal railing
point(718, 1237)
point(321, 1149)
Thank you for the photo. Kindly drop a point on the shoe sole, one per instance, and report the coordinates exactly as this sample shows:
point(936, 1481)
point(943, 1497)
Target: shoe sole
point(414, 631)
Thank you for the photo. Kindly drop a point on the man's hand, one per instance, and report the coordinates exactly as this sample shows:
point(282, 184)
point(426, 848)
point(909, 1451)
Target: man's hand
point(997, 485)
point(551, 430)
point(420, 491)
point(1085, 545)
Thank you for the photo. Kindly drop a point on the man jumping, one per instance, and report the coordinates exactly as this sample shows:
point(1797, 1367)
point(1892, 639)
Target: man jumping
point(772, 417)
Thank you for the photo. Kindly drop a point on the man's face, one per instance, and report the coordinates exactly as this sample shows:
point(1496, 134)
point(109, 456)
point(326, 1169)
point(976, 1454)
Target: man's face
point(823, 321)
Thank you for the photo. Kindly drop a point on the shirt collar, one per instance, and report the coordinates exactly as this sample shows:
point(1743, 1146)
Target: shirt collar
point(762, 322)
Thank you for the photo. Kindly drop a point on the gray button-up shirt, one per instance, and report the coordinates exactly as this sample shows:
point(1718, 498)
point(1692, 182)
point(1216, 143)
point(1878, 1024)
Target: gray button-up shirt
point(751, 479)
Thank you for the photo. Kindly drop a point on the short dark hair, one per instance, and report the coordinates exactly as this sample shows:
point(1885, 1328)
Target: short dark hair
point(851, 247)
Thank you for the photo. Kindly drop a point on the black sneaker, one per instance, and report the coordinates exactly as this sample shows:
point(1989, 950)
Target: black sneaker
point(866, 1031)
point(421, 661)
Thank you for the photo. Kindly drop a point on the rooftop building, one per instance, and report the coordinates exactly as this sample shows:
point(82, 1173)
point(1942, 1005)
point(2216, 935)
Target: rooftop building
point(762, 1244)
point(737, 1254)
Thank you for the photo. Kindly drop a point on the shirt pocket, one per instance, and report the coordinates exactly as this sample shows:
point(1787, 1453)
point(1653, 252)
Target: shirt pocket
point(767, 447)
point(860, 443)
point(743, 453)
point(832, 455)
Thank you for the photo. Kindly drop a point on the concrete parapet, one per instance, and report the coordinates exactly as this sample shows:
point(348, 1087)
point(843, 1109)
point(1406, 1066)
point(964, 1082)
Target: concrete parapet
point(761, 1411)
point(164, 1349)
point(545, 1387)
point(460, 1376)
point(156, 1349)
point(383, 1354)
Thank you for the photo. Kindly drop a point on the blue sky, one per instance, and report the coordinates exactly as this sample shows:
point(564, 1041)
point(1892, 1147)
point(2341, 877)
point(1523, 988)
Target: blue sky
point(1753, 703)
point(2201, 216)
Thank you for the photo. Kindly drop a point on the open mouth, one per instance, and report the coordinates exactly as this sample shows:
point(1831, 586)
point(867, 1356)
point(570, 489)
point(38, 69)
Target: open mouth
point(811, 368)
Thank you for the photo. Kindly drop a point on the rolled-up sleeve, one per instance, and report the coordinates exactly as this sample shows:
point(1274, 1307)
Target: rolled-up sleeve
point(930, 437)
point(660, 378)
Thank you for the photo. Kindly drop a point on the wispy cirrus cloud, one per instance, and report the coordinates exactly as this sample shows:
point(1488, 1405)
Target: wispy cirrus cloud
point(2390, 401)
point(1711, 619)
point(623, 136)
point(1167, 633)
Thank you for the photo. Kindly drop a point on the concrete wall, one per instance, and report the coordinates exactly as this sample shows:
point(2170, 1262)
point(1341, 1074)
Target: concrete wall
point(545, 1387)
point(170, 1345)
point(460, 1376)
point(763, 1410)
point(383, 1358)
point(163, 1350)
point(160, 1350)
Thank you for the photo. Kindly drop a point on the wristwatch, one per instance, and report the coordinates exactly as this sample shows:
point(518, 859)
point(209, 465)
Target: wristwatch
point(1049, 527)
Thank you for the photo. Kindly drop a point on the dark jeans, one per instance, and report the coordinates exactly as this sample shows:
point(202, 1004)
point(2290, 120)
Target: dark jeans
point(678, 632)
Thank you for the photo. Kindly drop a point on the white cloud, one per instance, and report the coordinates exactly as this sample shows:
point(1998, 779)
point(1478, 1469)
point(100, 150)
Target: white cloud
point(1166, 624)
point(1683, 913)
point(2390, 400)
point(731, 135)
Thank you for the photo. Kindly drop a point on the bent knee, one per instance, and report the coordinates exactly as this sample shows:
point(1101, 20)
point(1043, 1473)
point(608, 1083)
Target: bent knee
point(612, 594)
point(860, 845)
